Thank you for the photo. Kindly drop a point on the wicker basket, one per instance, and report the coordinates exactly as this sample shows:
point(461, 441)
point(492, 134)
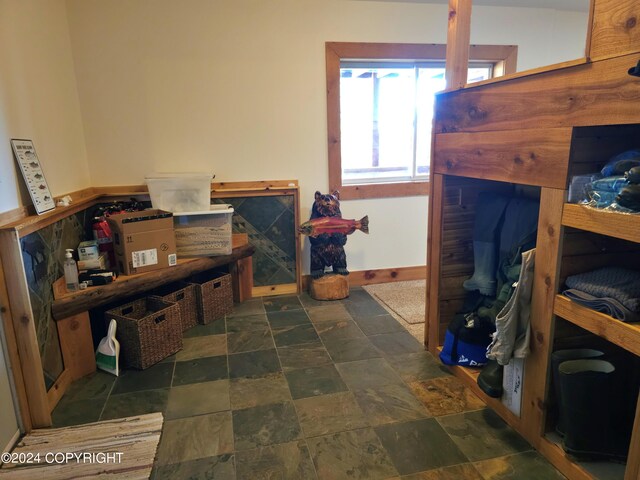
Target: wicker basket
point(184, 294)
point(149, 330)
point(215, 295)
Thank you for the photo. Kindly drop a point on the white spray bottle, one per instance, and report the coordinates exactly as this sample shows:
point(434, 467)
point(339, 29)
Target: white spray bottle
point(70, 271)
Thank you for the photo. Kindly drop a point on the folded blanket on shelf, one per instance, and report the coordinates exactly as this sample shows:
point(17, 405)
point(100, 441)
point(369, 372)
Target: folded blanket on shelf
point(613, 283)
point(610, 306)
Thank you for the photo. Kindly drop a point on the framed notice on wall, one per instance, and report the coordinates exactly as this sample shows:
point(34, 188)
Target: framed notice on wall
point(33, 175)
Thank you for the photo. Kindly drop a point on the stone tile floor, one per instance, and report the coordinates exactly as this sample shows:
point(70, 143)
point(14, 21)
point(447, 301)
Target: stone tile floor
point(292, 388)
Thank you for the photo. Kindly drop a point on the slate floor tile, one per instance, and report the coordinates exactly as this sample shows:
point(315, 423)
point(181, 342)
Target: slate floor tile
point(419, 445)
point(135, 403)
point(253, 364)
point(390, 403)
point(351, 349)
point(364, 307)
point(76, 412)
point(465, 471)
point(338, 330)
point(250, 339)
point(352, 455)
point(96, 385)
point(287, 461)
point(200, 370)
point(398, 343)
point(303, 356)
point(379, 324)
point(213, 328)
point(156, 376)
point(194, 438)
point(309, 382)
point(265, 425)
point(417, 366)
point(295, 335)
point(200, 347)
point(329, 414)
point(363, 374)
point(219, 467)
point(281, 303)
point(251, 392)
point(522, 466)
point(287, 318)
point(328, 313)
point(248, 307)
point(446, 396)
point(246, 322)
point(198, 398)
point(482, 434)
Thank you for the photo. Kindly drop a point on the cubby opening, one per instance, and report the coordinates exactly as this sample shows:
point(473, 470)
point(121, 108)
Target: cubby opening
point(460, 202)
point(623, 406)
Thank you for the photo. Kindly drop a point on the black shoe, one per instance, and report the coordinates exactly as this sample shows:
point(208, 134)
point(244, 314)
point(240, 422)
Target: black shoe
point(490, 379)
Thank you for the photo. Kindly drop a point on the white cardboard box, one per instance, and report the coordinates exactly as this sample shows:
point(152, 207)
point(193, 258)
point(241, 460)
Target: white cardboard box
point(512, 383)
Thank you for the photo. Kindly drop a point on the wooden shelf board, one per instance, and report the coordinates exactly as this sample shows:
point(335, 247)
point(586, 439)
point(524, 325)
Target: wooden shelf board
point(71, 303)
point(625, 335)
point(613, 224)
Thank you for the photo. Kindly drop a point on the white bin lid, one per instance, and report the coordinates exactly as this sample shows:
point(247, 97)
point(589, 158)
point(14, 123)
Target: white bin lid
point(186, 176)
point(218, 208)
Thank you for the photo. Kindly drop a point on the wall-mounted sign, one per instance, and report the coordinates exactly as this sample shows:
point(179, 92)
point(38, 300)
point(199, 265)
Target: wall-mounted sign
point(33, 175)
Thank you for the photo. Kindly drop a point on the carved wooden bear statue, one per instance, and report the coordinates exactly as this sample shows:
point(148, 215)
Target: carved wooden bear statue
point(327, 250)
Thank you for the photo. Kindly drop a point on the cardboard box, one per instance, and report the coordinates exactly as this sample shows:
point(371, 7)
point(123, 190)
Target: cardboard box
point(143, 241)
point(88, 250)
point(512, 384)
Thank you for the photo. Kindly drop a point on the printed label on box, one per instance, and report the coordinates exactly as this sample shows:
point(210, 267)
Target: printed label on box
point(172, 259)
point(142, 258)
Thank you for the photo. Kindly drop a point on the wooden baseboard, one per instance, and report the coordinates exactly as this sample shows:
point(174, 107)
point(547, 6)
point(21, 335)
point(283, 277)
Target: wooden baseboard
point(271, 290)
point(382, 275)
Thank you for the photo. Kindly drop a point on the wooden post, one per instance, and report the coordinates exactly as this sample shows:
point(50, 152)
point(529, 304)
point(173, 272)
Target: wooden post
point(458, 35)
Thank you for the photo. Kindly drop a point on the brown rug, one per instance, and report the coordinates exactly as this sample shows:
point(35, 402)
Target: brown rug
point(405, 300)
point(123, 448)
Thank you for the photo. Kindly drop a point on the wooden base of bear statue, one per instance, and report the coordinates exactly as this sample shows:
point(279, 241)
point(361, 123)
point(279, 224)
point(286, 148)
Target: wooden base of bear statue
point(330, 287)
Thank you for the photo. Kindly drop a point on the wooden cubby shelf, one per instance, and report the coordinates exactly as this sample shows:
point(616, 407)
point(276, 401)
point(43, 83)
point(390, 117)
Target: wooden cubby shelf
point(620, 225)
point(626, 335)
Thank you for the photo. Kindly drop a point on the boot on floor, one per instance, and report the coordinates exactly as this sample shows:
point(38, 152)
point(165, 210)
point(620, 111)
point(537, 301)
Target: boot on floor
point(590, 404)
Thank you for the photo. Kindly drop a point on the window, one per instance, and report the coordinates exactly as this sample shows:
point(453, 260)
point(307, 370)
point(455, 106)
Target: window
point(380, 108)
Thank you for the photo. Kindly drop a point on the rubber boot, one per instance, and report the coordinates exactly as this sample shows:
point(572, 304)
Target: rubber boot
point(590, 401)
point(490, 379)
point(557, 358)
point(484, 273)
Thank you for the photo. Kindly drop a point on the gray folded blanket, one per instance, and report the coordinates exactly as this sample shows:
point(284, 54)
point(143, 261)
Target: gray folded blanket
point(613, 288)
point(610, 306)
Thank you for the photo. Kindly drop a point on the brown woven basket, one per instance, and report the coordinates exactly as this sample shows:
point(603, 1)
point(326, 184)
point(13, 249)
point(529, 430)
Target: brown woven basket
point(215, 295)
point(149, 330)
point(184, 294)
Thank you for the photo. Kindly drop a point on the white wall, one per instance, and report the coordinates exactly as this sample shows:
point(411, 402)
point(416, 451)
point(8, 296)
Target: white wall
point(39, 98)
point(237, 87)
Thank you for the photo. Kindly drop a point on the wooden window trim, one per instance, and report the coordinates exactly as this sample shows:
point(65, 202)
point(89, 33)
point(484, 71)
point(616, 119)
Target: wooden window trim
point(503, 55)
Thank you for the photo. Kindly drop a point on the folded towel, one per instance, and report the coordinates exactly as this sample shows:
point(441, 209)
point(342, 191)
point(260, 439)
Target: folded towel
point(610, 306)
point(620, 284)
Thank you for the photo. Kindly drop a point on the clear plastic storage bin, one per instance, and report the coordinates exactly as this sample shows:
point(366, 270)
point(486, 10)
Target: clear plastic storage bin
point(204, 233)
point(180, 192)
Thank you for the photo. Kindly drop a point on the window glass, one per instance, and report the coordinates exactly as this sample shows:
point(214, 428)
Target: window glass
point(386, 111)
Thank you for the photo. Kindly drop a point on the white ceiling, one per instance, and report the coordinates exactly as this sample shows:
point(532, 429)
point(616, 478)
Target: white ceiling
point(571, 5)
